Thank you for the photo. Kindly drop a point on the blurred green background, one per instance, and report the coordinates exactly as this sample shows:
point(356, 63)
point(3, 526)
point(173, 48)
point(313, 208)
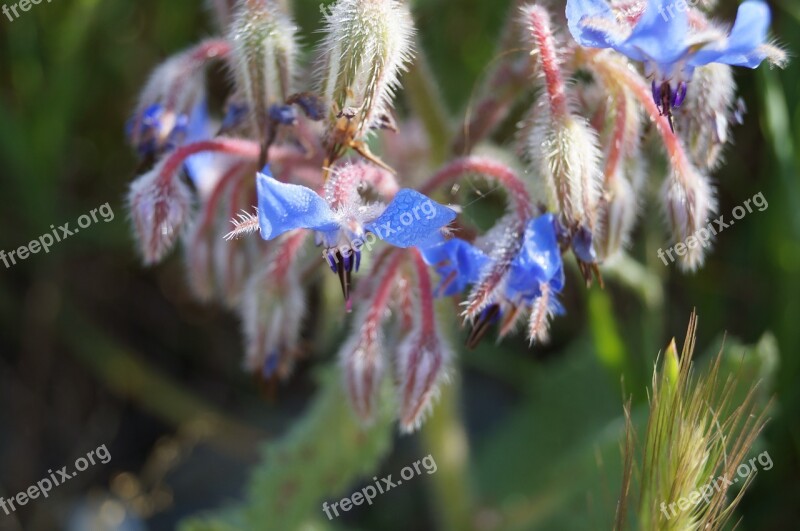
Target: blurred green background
point(95, 349)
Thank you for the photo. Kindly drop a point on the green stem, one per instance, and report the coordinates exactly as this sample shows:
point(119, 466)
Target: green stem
point(426, 102)
point(444, 437)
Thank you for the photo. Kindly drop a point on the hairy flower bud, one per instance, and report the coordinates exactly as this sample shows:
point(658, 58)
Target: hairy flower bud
point(264, 57)
point(363, 364)
point(566, 157)
point(366, 46)
point(705, 118)
point(616, 216)
point(689, 201)
point(422, 358)
point(159, 207)
point(272, 313)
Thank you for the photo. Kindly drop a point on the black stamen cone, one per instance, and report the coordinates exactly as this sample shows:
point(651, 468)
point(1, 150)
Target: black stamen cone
point(481, 327)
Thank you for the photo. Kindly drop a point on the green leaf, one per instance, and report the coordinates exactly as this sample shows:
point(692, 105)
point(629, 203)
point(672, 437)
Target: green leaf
point(325, 453)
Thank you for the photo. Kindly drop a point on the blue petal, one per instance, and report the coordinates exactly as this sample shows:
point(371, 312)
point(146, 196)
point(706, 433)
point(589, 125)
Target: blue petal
point(458, 262)
point(578, 11)
point(283, 207)
point(583, 246)
point(659, 36)
point(748, 34)
point(411, 219)
point(538, 261)
point(198, 128)
point(282, 114)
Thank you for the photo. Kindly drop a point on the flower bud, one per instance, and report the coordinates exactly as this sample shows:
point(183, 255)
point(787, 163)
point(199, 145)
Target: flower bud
point(272, 313)
point(159, 208)
point(616, 216)
point(565, 156)
point(688, 201)
point(421, 367)
point(705, 118)
point(366, 46)
point(363, 364)
point(264, 57)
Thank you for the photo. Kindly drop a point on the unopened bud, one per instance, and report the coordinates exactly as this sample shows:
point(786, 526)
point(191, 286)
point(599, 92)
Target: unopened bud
point(159, 208)
point(688, 201)
point(616, 217)
point(272, 315)
point(421, 367)
point(704, 119)
point(363, 363)
point(366, 46)
point(264, 57)
point(565, 157)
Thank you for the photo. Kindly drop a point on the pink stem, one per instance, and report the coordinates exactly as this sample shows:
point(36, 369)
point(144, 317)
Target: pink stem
point(617, 140)
point(427, 317)
point(501, 173)
point(380, 299)
point(209, 209)
point(245, 149)
point(638, 88)
point(543, 38)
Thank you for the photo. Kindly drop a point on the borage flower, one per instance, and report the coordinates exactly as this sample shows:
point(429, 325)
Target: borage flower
point(672, 42)
point(534, 278)
point(345, 224)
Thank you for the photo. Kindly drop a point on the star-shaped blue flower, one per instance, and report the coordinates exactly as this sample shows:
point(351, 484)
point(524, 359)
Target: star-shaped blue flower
point(538, 262)
point(411, 219)
point(665, 41)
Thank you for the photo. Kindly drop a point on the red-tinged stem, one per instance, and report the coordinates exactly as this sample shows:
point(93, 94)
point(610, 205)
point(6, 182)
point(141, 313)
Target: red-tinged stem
point(617, 140)
point(642, 93)
point(229, 146)
point(210, 207)
point(237, 147)
point(425, 292)
point(380, 299)
point(542, 36)
point(499, 172)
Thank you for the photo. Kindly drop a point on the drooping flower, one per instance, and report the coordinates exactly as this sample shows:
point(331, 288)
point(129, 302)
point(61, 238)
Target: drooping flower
point(534, 279)
point(672, 42)
point(562, 147)
point(345, 225)
point(170, 102)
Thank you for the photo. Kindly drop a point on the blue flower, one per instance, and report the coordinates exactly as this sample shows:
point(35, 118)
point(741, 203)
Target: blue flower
point(411, 219)
point(155, 130)
point(665, 41)
point(536, 267)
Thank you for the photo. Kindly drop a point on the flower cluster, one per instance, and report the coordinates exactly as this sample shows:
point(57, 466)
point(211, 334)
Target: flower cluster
point(292, 162)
